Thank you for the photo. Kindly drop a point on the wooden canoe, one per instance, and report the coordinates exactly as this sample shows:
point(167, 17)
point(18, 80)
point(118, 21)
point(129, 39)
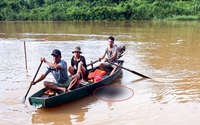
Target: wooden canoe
point(40, 100)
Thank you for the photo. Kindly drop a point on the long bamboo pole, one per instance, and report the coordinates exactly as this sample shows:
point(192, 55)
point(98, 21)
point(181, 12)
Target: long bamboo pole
point(25, 55)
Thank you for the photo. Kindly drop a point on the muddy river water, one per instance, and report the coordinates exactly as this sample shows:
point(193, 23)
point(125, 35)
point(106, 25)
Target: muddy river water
point(166, 51)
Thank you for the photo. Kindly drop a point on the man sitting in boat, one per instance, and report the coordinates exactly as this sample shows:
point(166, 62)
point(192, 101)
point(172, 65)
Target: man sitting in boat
point(59, 70)
point(78, 68)
point(111, 52)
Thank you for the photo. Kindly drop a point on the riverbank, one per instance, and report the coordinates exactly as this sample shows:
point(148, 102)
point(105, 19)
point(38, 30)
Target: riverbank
point(48, 10)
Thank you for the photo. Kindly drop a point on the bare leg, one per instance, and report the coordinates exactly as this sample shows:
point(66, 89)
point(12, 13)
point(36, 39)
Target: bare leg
point(51, 85)
point(73, 82)
point(71, 70)
point(101, 65)
point(114, 69)
point(81, 70)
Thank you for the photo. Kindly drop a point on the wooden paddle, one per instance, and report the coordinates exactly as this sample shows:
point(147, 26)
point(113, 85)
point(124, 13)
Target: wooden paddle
point(99, 60)
point(131, 71)
point(92, 63)
point(24, 99)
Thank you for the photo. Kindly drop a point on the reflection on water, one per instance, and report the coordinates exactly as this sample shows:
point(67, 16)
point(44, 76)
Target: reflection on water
point(139, 31)
point(168, 52)
point(73, 112)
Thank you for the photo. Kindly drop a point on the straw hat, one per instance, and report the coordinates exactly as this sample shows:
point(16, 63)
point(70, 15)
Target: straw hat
point(77, 49)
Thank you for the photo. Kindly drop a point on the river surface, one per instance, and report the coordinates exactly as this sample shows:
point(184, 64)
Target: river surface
point(166, 51)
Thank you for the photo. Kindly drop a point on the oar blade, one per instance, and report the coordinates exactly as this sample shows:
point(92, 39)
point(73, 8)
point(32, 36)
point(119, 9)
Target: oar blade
point(134, 72)
point(23, 100)
point(139, 74)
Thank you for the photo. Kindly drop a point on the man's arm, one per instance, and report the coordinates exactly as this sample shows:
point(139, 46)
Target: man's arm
point(54, 66)
point(112, 57)
point(103, 56)
point(39, 79)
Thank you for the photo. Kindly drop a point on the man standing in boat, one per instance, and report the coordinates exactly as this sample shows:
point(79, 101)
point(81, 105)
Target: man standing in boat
point(59, 70)
point(111, 52)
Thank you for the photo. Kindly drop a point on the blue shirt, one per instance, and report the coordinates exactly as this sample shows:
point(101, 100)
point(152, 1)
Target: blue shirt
point(60, 75)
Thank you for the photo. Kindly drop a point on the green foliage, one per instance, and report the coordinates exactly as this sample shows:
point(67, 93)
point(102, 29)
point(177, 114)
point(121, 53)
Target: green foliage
point(61, 10)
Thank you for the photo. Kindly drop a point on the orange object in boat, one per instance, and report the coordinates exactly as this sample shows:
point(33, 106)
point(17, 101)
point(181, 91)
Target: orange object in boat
point(97, 72)
point(49, 92)
point(97, 78)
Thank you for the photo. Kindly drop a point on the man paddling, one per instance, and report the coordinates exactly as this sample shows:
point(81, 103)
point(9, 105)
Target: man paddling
point(111, 52)
point(59, 70)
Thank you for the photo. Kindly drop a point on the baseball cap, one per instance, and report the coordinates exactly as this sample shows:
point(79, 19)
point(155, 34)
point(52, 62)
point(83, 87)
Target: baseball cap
point(56, 52)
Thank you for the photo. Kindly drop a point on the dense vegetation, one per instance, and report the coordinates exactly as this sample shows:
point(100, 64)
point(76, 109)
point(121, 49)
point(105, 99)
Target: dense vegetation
point(62, 10)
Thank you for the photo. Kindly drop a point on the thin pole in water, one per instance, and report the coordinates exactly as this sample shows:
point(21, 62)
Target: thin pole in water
point(25, 55)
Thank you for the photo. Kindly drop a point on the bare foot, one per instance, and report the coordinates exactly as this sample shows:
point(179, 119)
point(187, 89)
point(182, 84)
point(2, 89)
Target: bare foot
point(64, 90)
point(83, 81)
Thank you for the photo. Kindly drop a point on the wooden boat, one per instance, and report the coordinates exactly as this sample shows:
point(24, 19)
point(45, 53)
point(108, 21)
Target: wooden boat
point(40, 100)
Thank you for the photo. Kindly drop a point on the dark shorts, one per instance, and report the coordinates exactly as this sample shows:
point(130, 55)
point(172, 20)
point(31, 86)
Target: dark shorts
point(108, 67)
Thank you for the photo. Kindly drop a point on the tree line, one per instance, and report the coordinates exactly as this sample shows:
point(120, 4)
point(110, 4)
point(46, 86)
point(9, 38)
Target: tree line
point(64, 10)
